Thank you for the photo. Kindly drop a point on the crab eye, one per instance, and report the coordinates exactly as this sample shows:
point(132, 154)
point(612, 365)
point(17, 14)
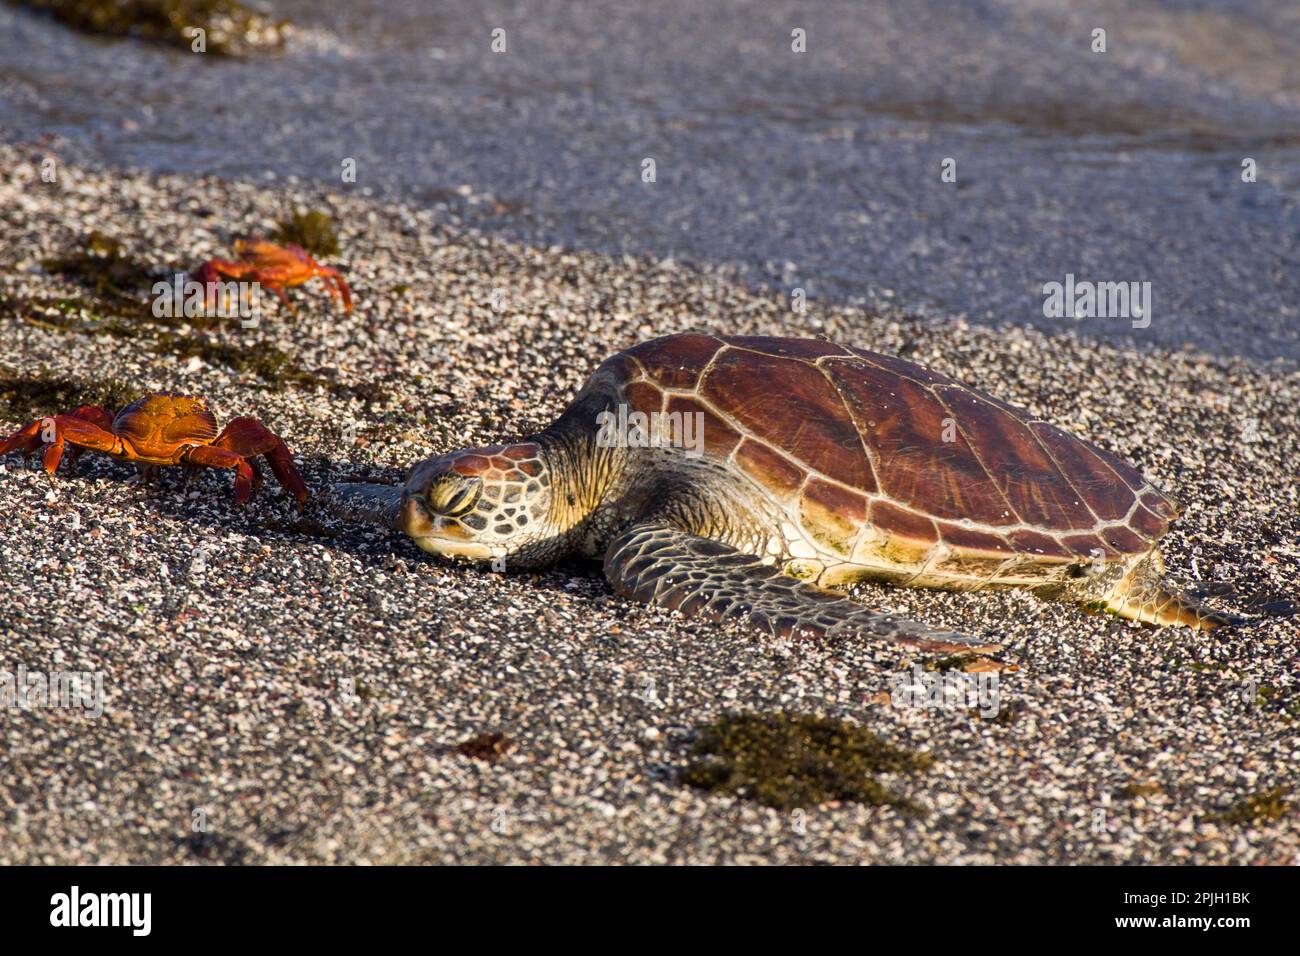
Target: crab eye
point(454, 495)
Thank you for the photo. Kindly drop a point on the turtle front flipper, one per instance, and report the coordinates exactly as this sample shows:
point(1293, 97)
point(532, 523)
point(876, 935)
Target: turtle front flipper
point(668, 568)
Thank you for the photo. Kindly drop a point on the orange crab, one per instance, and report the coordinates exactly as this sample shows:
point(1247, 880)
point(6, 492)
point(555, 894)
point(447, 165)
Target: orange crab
point(275, 267)
point(159, 430)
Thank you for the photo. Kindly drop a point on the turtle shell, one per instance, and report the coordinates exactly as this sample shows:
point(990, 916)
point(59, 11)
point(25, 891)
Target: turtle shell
point(848, 439)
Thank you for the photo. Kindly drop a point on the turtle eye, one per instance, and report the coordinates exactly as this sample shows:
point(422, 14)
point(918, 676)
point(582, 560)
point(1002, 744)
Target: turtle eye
point(454, 495)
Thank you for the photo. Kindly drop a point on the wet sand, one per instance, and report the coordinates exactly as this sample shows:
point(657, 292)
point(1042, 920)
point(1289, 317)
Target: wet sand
point(818, 170)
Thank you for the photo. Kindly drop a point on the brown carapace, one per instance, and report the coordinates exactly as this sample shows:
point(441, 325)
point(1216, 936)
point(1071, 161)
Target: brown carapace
point(747, 477)
point(160, 430)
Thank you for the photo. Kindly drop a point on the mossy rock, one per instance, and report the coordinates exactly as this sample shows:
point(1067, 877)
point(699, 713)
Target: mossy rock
point(230, 28)
point(785, 760)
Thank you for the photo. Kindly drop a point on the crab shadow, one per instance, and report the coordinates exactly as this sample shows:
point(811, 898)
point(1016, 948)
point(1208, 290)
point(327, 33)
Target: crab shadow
point(272, 517)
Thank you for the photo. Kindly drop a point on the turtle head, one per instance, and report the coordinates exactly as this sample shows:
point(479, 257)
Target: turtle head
point(485, 504)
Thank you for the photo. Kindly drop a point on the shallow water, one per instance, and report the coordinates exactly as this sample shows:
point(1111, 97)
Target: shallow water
point(818, 170)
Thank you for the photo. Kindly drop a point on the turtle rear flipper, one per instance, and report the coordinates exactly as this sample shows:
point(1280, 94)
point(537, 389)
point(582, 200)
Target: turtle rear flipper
point(668, 568)
point(1144, 595)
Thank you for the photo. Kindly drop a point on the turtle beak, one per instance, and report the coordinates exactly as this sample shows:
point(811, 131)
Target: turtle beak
point(436, 535)
point(414, 519)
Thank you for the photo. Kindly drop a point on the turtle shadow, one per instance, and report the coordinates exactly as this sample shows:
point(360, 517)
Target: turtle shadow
point(1258, 605)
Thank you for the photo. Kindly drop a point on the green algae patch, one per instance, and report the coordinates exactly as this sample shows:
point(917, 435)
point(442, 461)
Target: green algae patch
point(26, 396)
point(86, 315)
point(1267, 805)
point(273, 366)
point(313, 230)
point(785, 760)
point(115, 298)
point(229, 27)
point(113, 305)
point(99, 263)
point(1285, 704)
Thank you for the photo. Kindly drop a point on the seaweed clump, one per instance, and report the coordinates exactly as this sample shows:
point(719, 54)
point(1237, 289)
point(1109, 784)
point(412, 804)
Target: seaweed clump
point(26, 396)
point(1268, 805)
point(65, 314)
point(313, 231)
point(112, 302)
point(785, 760)
point(101, 265)
point(111, 279)
point(488, 747)
point(229, 27)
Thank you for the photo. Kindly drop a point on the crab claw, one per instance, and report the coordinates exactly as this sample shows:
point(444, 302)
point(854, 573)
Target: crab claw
point(248, 438)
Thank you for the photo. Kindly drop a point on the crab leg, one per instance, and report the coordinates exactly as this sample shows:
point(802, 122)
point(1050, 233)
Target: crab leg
point(274, 267)
point(96, 416)
point(280, 294)
point(337, 286)
point(211, 457)
point(249, 438)
point(81, 427)
point(209, 275)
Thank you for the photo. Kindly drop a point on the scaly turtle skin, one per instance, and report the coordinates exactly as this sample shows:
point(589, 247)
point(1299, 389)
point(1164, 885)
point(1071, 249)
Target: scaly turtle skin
point(744, 477)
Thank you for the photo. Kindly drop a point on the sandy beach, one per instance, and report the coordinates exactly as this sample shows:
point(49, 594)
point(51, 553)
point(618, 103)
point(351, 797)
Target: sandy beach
point(302, 686)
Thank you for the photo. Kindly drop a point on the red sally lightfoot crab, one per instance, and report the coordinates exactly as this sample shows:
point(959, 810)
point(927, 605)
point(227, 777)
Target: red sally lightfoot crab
point(273, 266)
point(160, 430)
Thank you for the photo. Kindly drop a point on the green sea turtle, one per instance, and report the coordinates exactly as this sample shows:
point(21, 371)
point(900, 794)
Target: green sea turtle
point(746, 477)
